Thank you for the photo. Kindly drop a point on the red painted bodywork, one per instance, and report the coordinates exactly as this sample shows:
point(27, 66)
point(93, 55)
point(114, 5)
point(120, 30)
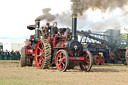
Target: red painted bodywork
point(30, 52)
point(58, 41)
point(71, 59)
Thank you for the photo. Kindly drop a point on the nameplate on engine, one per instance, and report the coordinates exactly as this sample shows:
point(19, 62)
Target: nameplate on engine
point(76, 58)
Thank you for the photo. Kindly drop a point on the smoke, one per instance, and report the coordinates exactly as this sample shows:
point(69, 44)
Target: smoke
point(91, 21)
point(64, 18)
point(80, 6)
point(46, 15)
point(102, 21)
point(108, 17)
point(95, 20)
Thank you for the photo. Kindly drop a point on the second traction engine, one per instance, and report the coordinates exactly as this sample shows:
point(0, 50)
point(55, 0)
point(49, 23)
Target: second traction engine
point(61, 51)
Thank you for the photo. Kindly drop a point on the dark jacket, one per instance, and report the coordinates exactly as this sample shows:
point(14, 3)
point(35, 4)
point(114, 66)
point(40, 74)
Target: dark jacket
point(54, 30)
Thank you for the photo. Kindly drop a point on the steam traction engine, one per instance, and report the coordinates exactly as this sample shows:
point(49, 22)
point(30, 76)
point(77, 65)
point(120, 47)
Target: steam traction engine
point(61, 50)
point(105, 48)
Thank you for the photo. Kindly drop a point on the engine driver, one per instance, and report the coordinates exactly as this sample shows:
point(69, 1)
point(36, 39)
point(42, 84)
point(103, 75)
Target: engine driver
point(54, 29)
point(48, 27)
point(46, 30)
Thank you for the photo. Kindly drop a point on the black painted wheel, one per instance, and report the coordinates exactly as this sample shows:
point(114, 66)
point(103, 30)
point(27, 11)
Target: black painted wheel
point(23, 57)
point(86, 65)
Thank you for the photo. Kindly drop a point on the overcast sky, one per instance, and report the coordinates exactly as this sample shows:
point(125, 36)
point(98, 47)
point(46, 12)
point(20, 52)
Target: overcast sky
point(16, 15)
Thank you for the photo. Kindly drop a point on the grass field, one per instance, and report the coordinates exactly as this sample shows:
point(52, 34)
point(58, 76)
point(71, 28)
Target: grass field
point(12, 74)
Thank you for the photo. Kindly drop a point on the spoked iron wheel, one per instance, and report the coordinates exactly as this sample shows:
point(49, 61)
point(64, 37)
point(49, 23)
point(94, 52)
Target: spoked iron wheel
point(87, 63)
point(96, 59)
point(43, 54)
point(62, 60)
point(39, 54)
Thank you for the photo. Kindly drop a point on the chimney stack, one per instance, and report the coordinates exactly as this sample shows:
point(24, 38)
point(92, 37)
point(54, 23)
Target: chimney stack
point(74, 26)
point(37, 23)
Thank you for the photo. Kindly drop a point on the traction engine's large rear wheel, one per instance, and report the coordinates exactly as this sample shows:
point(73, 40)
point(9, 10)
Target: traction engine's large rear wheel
point(86, 65)
point(43, 54)
point(62, 60)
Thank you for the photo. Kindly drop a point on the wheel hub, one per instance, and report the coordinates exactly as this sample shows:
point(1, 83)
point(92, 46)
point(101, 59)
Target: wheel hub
point(60, 60)
point(41, 54)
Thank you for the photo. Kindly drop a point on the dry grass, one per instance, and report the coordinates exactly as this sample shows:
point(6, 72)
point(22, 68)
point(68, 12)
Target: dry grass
point(12, 74)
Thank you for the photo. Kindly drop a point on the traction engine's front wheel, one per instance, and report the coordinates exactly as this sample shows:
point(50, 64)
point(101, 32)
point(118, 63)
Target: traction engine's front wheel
point(25, 61)
point(62, 60)
point(86, 65)
point(23, 57)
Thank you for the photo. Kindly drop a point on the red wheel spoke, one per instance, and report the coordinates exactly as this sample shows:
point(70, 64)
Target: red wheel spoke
point(88, 61)
point(63, 58)
point(63, 64)
point(59, 63)
point(59, 55)
point(85, 68)
point(41, 50)
point(43, 59)
point(38, 56)
point(40, 62)
point(86, 55)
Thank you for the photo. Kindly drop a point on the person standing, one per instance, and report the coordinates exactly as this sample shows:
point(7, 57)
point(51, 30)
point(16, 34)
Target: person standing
point(54, 29)
point(48, 26)
point(7, 55)
point(45, 31)
point(126, 55)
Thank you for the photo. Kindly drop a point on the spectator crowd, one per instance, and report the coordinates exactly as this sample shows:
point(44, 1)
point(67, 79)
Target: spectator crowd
point(9, 55)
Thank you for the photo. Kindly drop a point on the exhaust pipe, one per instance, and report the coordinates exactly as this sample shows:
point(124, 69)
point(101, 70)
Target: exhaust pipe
point(37, 23)
point(74, 26)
